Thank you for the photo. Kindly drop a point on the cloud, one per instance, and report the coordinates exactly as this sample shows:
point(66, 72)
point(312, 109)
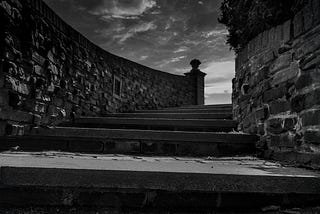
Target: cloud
point(121, 9)
point(139, 28)
point(214, 33)
point(181, 49)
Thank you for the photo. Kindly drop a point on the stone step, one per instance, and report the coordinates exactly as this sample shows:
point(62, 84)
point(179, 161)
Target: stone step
point(182, 110)
point(173, 115)
point(221, 106)
point(133, 183)
point(155, 123)
point(100, 140)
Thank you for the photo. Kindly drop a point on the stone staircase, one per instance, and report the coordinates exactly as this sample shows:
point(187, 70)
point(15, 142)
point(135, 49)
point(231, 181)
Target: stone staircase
point(186, 159)
point(140, 133)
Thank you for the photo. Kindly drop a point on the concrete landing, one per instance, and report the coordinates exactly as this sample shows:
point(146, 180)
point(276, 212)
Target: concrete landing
point(152, 183)
point(236, 174)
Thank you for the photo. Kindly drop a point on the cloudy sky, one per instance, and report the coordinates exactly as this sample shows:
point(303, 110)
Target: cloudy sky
point(162, 34)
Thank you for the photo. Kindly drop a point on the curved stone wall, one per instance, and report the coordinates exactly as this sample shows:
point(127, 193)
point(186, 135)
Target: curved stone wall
point(49, 73)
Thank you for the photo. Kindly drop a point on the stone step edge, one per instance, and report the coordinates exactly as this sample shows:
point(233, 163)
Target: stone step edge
point(186, 110)
point(166, 181)
point(198, 123)
point(172, 115)
point(181, 136)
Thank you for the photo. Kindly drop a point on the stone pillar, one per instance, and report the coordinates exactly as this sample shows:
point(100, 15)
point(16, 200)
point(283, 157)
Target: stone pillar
point(197, 79)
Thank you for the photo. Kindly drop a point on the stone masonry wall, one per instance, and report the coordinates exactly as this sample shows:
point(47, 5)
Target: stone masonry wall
point(276, 91)
point(50, 73)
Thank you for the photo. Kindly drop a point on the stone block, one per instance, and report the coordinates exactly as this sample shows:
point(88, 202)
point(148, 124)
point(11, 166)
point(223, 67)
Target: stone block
point(37, 119)
point(4, 97)
point(275, 93)
point(280, 125)
point(261, 113)
point(275, 125)
point(278, 35)
point(312, 136)
point(306, 100)
point(149, 147)
point(316, 11)
point(261, 130)
point(3, 125)
point(89, 146)
point(298, 102)
point(308, 78)
point(311, 118)
point(14, 115)
point(17, 85)
point(286, 28)
point(268, 56)
point(272, 37)
point(286, 140)
point(290, 123)
point(283, 61)
point(308, 16)
point(58, 101)
point(263, 73)
point(313, 63)
point(14, 99)
point(265, 39)
point(122, 146)
point(307, 48)
point(286, 75)
point(284, 48)
point(279, 106)
point(40, 107)
point(298, 22)
point(248, 120)
point(15, 130)
point(313, 98)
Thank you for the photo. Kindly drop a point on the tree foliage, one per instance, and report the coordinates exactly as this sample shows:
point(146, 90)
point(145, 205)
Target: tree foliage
point(245, 19)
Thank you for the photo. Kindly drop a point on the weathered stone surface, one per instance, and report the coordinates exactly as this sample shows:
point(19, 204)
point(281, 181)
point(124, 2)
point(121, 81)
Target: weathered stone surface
point(308, 16)
point(275, 93)
point(312, 136)
point(311, 118)
point(275, 126)
point(308, 78)
point(4, 97)
point(279, 106)
point(305, 101)
point(285, 140)
point(286, 75)
point(291, 51)
point(282, 62)
point(298, 24)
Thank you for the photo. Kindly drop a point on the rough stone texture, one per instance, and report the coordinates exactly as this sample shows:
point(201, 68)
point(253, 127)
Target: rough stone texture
point(50, 72)
point(283, 77)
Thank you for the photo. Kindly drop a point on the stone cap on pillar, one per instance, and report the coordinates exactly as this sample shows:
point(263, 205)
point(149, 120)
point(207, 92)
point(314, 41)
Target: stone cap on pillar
point(195, 71)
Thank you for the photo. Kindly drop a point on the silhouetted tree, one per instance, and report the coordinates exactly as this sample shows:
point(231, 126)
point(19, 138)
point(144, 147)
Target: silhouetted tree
point(245, 19)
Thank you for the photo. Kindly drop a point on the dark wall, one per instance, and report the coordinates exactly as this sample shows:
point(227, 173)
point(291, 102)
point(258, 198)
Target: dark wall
point(49, 73)
point(276, 91)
